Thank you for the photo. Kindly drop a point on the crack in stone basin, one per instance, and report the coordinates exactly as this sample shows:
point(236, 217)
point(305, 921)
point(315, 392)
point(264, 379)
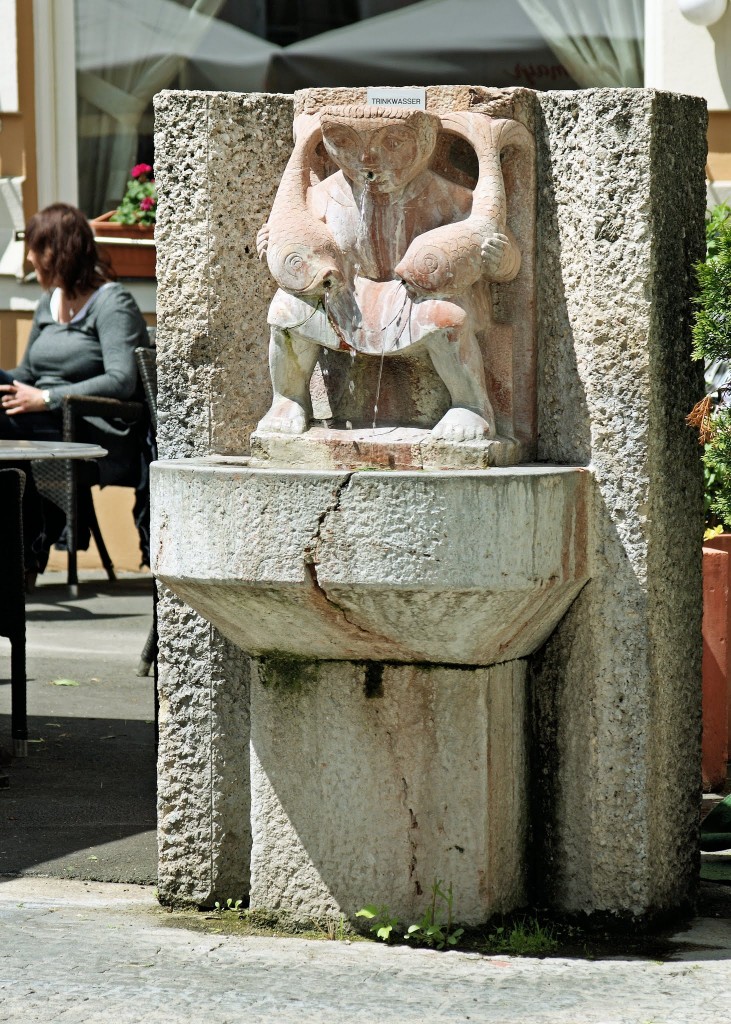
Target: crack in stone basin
point(454, 567)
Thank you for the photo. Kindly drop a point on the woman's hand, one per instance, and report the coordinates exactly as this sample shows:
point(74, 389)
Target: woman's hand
point(18, 397)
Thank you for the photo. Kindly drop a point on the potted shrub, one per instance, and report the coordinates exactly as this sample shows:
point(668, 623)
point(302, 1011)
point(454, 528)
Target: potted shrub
point(127, 233)
point(712, 417)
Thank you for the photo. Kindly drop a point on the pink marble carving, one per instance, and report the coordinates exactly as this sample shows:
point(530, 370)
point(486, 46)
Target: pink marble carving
point(376, 253)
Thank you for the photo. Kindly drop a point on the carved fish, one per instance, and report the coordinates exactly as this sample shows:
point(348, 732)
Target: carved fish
point(450, 259)
point(311, 264)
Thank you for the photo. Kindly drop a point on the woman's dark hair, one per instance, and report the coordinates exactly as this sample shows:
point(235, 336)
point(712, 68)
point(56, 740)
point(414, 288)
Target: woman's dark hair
point(62, 239)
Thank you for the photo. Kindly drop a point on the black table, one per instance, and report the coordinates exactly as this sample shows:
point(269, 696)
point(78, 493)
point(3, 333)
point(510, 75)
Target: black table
point(12, 592)
point(31, 451)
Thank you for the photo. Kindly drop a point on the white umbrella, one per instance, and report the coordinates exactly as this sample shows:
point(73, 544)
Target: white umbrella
point(118, 33)
point(127, 50)
point(487, 42)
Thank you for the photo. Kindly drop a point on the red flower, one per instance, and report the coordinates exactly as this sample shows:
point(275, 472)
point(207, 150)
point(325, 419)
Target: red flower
point(147, 203)
point(141, 170)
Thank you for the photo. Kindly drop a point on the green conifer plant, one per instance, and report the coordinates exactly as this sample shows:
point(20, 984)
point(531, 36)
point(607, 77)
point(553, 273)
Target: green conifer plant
point(712, 343)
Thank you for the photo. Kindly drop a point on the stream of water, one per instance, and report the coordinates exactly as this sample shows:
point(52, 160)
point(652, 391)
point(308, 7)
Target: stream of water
point(360, 241)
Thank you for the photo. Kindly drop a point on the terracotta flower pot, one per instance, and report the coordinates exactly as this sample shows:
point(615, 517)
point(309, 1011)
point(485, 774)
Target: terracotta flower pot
point(130, 247)
point(716, 659)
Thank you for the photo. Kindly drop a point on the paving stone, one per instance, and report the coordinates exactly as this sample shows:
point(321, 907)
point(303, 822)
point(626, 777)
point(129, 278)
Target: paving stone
point(90, 953)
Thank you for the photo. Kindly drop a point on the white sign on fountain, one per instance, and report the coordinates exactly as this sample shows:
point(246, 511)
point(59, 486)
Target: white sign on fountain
point(414, 99)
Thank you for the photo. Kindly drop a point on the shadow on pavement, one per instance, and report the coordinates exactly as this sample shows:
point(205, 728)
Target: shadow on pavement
point(85, 786)
point(82, 804)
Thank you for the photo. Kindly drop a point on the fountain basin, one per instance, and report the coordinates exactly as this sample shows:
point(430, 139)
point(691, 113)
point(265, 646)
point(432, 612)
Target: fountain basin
point(448, 567)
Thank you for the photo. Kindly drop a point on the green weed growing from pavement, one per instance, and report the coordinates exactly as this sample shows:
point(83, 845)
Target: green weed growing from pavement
point(435, 928)
point(236, 915)
point(230, 906)
point(524, 938)
point(382, 924)
point(336, 928)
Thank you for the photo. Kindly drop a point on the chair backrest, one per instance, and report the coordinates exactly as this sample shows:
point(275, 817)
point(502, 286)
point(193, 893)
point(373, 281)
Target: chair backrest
point(147, 367)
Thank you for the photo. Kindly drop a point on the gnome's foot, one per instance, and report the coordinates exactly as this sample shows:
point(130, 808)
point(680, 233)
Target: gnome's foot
point(463, 425)
point(285, 417)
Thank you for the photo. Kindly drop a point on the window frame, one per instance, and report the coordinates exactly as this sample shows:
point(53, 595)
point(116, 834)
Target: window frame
point(54, 51)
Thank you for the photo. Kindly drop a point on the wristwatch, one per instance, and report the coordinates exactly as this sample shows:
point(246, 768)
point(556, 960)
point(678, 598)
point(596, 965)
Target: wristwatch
point(46, 396)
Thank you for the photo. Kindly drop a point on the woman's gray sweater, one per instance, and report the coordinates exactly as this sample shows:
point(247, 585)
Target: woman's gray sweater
point(93, 355)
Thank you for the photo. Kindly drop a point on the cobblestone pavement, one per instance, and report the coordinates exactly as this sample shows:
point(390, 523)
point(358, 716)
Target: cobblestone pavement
point(81, 806)
point(78, 952)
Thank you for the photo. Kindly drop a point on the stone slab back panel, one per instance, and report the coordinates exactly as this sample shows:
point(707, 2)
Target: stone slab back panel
point(366, 783)
point(617, 688)
point(219, 157)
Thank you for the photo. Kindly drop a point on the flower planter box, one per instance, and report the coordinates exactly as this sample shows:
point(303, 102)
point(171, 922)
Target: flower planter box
point(716, 659)
point(131, 248)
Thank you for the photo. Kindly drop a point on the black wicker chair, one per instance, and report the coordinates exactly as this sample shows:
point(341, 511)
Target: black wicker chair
point(68, 483)
point(147, 368)
point(12, 604)
point(63, 481)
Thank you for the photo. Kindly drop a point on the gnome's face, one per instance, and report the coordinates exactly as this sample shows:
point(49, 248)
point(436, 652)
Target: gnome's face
point(383, 153)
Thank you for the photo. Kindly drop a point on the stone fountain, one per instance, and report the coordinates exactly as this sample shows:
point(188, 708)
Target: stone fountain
point(427, 608)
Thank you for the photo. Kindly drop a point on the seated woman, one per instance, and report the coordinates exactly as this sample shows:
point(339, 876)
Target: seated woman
point(82, 342)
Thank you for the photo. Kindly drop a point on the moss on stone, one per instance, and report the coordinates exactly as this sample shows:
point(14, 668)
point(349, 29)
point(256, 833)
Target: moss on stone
point(287, 673)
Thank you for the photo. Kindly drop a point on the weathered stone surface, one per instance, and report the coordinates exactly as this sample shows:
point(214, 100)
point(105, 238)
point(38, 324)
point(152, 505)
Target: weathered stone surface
point(219, 157)
point(616, 703)
point(444, 567)
point(217, 162)
point(370, 783)
point(381, 448)
point(204, 834)
point(617, 688)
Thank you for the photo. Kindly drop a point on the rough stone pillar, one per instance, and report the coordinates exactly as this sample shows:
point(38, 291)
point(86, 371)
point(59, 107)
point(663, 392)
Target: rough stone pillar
point(370, 783)
point(212, 151)
point(204, 832)
point(617, 688)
